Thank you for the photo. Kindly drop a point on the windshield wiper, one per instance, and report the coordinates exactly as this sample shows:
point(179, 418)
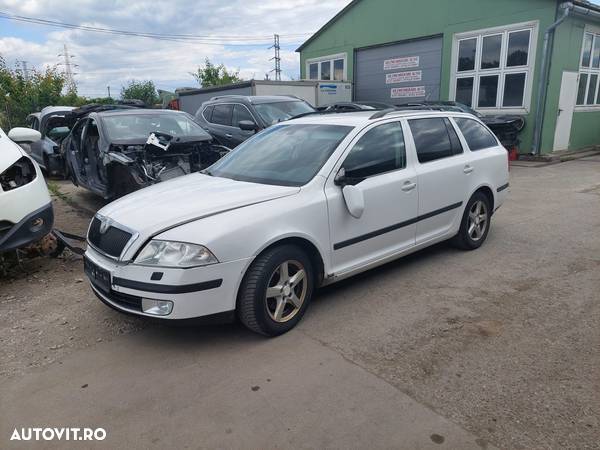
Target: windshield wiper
point(206, 172)
point(297, 116)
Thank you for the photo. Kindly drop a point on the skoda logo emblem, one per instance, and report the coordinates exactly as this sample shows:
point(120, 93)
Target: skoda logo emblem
point(105, 224)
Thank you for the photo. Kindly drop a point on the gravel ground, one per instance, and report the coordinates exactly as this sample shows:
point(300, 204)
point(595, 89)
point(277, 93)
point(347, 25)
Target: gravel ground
point(503, 341)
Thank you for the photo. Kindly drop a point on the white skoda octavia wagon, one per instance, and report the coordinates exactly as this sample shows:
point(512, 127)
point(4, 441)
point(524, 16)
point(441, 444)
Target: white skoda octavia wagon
point(301, 204)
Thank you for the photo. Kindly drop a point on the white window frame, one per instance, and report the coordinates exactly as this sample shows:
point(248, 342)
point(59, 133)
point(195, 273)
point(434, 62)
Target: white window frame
point(502, 71)
point(331, 59)
point(595, 31)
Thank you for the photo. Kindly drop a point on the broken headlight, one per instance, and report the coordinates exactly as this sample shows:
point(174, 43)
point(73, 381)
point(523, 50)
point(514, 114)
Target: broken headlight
point(175, 254)
point(19, 174)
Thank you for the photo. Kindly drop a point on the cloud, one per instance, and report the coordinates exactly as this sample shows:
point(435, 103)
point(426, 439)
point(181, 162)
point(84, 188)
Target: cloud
point(111, 60)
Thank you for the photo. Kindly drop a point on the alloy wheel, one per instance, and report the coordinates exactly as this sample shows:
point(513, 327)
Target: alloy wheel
point(478, 220)
point(286, 291)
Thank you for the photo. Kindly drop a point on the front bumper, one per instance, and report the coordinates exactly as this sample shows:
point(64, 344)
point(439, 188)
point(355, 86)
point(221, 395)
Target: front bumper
point(31, 228)
point(195, 292)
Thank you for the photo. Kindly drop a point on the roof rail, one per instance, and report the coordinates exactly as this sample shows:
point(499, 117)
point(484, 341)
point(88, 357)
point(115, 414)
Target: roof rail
point(382, 113)
point(217, 97)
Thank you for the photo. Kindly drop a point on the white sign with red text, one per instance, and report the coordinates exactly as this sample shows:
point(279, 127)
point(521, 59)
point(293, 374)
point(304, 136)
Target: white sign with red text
point(401, 63)
point(403, 77)
point(407, 92)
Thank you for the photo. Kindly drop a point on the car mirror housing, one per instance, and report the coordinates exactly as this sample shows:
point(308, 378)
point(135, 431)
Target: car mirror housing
point(355, 200)
point(247, 125)
point(22, 135)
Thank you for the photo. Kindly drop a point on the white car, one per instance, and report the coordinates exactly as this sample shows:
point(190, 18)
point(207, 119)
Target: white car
point(301, 204)
point(26, 213)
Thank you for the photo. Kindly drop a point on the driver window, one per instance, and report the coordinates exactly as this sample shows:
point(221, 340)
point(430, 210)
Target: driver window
point(378, 151)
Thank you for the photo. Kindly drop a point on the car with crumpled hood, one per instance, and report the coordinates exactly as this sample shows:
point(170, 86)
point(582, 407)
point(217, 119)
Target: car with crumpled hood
point(113, 151)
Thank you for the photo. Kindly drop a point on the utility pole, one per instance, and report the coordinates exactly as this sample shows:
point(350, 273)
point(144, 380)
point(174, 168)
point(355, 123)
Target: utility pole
point(108, 89)
point(25, 70)
point(68, 68)
point(276, 58)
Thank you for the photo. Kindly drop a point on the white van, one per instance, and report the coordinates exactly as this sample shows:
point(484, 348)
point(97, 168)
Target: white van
point(26, 213)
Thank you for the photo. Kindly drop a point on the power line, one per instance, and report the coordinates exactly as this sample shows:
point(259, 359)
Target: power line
point(201, 39)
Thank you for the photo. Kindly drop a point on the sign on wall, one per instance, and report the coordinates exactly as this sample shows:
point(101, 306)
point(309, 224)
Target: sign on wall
point(403, 77)
point(401, 63)
point(408, 92)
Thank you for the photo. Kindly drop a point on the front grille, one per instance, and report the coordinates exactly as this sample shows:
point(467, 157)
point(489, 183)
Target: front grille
point(125, 300)
point(112, 242)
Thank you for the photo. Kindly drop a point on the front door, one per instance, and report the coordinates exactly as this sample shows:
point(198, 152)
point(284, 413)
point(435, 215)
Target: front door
point(566, 106)
point(377, 165)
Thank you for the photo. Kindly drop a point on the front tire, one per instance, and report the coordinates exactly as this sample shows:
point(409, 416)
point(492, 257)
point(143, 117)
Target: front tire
point(475, 223)
point(276, 290)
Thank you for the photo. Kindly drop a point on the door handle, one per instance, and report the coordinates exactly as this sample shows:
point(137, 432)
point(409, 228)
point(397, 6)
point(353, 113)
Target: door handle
point(228, 135)
point(409, 186)
point(468, 169)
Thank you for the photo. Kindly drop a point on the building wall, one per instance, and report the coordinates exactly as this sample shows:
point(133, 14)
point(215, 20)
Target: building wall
point(585, 130)
point(372, 22)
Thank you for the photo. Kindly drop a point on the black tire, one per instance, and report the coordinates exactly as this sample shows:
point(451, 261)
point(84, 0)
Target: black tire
point(463, 239)
point(252, 304)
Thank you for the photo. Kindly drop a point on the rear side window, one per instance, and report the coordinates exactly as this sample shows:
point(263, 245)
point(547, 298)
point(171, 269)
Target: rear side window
point(477, 136)
point(434, 138)
point(380, 150)
point(207, 113)
point(222, 114)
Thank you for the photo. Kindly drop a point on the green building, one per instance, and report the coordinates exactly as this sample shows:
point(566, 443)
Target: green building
point(536, 58)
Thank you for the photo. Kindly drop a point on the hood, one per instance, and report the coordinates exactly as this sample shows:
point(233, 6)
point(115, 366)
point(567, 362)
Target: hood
point(184, 199)
point(9, 152)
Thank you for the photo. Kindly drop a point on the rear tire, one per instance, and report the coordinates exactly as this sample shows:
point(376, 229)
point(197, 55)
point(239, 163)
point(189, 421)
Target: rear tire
point(276, 290)
point(475, 223)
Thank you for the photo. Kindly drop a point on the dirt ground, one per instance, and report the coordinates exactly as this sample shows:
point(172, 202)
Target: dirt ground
point(503, 342)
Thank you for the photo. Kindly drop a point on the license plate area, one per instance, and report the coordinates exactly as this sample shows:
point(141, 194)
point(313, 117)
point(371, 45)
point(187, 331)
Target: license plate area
point(97, 275)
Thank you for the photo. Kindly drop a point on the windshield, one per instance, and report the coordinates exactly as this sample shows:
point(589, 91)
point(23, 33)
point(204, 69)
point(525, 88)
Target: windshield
point(272, 113)
point(284, 155)
point(139, 126)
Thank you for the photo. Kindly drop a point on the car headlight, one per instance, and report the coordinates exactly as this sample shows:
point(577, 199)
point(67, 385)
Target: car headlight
point(175, 254)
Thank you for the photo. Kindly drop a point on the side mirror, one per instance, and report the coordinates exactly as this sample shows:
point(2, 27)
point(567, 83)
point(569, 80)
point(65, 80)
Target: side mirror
point(355, 200)
point(22, 135)
point(247, 125)
point(341, 179)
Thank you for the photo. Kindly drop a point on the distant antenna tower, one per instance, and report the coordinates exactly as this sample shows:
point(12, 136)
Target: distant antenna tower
point(276, 58)
point(68, 70)
point(25, 70)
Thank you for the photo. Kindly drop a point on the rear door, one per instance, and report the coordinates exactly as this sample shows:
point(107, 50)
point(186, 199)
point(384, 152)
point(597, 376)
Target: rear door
point(220, 124)
point(378, 163)
point(443, 172)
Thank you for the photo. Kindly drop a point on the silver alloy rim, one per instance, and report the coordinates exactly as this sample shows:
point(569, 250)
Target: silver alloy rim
point(286, 291)
point(478, 220)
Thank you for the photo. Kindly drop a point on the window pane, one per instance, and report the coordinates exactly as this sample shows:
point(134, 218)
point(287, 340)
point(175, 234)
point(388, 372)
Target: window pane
point(380, 150)
point(587, 50)
point(313, 70)
point(240, 112)
point(490, 52)
point(514, 89)
point(488, 90)
point(326, 70)
point(207, 113)
point(596, 53)
point(431, 139)
point(222, 114)
point(518, 48)
point(476, 135)
point(464, 91)
point(338, 69)
point(583, 78)
point(466, 54)
point(591, 97)
point(454, 140)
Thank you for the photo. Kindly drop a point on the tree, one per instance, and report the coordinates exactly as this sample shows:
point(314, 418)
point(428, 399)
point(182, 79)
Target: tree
point(212, 75)
point(140, 90)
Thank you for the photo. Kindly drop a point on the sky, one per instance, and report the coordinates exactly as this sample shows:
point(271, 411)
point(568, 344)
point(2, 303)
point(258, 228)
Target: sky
point(240, 33)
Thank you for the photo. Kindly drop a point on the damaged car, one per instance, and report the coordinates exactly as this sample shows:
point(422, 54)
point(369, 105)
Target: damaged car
point(115, 151)
point(26, 213)
point(52, 123)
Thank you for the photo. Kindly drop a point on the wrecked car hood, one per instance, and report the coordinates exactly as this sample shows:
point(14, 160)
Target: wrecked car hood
point(187, 198)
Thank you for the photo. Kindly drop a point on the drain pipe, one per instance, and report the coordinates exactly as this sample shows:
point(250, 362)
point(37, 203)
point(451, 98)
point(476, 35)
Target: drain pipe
point(540, 106)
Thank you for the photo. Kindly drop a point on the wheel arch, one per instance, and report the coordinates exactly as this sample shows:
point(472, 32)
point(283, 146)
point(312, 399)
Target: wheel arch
point(488, 192)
